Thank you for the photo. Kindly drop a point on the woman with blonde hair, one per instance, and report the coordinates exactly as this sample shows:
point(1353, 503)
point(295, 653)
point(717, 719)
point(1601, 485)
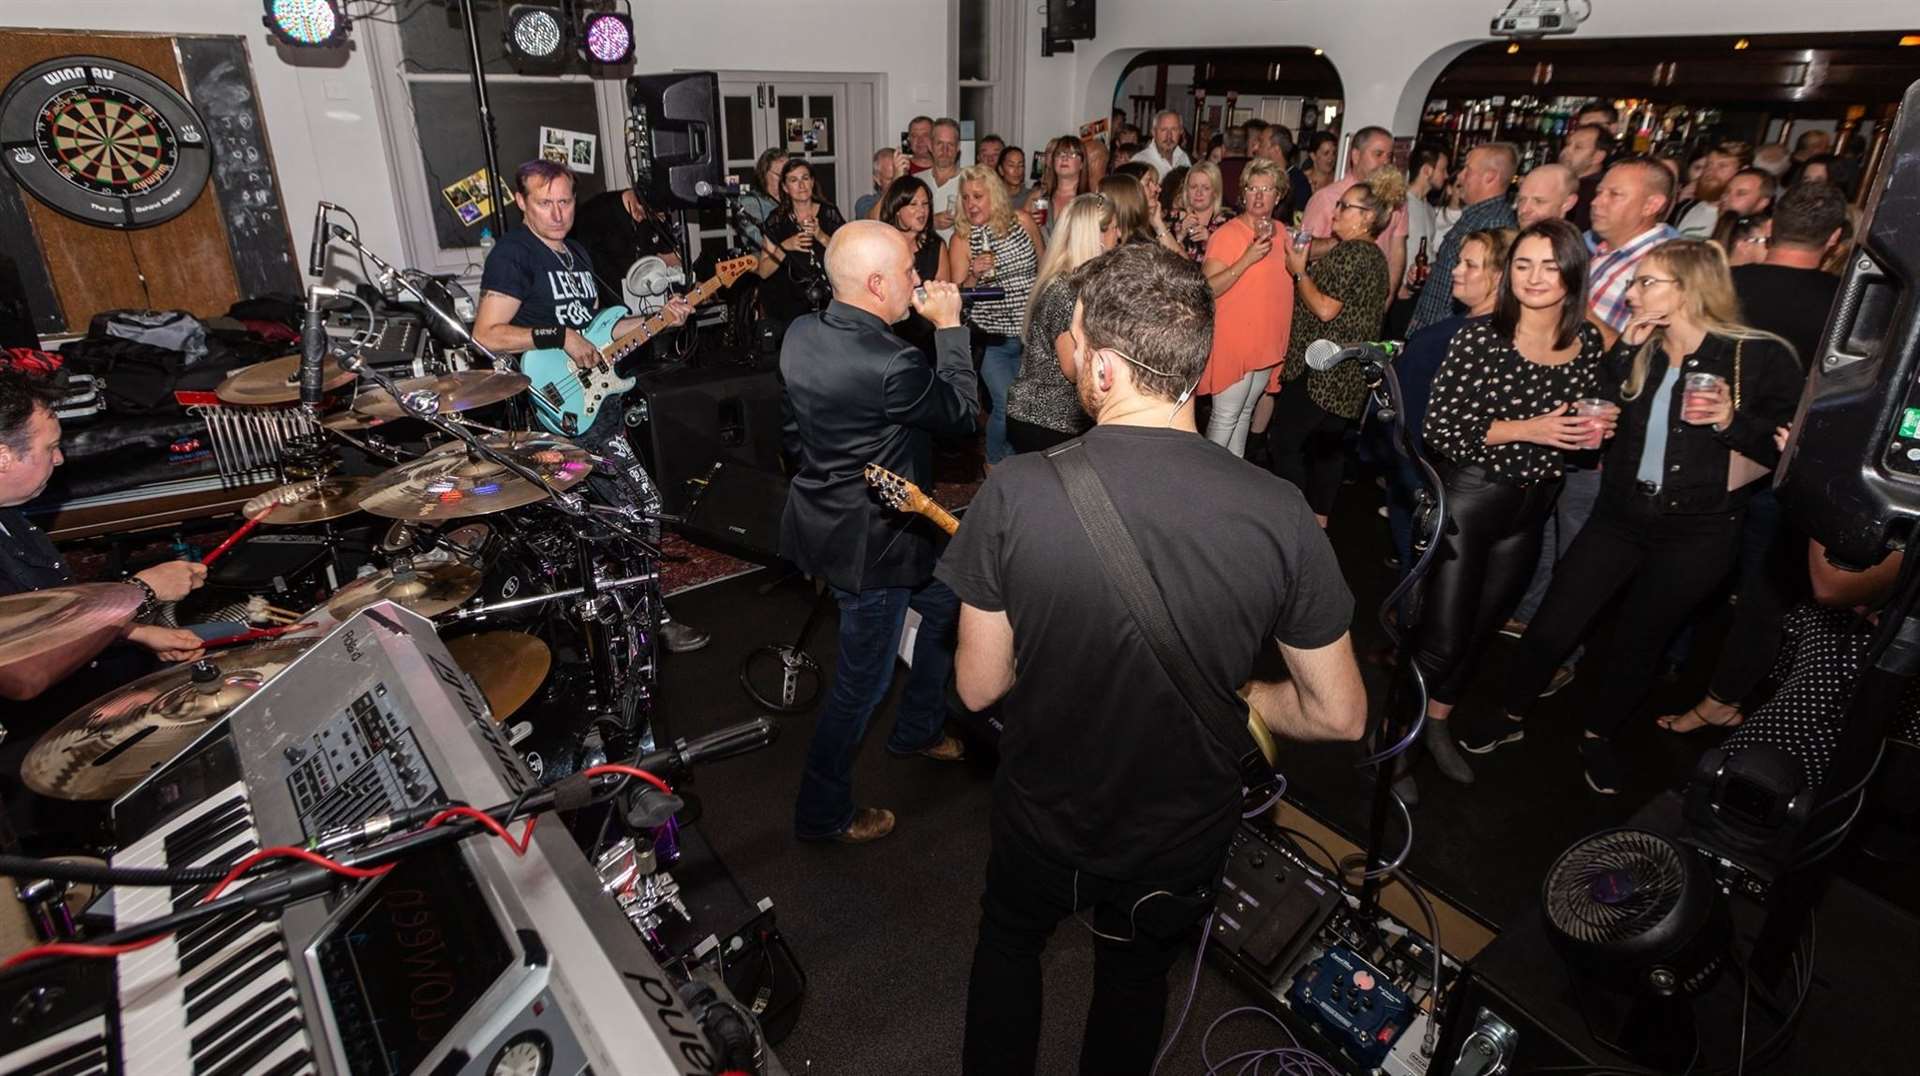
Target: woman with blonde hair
point(994, 246)
point(1063, 177)
point(1199, 210)
point(1252, 304)
point(1700, 394)
point(1043, 404)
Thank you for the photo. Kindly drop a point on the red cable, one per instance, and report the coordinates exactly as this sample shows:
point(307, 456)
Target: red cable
point(285, 852)
point(630, 771)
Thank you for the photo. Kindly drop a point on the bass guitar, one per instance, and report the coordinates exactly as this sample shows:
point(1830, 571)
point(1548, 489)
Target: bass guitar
point(567, 397)
point(902, 495)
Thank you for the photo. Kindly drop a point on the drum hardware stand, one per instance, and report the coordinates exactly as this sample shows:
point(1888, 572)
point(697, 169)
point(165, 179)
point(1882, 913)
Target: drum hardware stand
point(796, 666)
point(512, 604)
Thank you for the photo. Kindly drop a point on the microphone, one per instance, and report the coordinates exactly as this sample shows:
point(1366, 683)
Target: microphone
point(971, 295)
point(313, 350)
point(317, 249)
point(1324, 355)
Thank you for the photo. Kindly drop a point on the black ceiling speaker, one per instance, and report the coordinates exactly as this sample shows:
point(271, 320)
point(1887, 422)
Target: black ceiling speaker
point(1644, 930)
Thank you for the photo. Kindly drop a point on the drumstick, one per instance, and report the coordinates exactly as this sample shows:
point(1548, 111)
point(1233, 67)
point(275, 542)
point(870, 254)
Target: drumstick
point(275, 498)
point(255, 635)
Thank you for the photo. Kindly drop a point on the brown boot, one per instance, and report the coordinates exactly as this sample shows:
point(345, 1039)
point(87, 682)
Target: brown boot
point(869, 824)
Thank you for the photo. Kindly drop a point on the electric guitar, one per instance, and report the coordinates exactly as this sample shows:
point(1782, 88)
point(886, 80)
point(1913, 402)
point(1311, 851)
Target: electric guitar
point(902, 495)
point(566, 398)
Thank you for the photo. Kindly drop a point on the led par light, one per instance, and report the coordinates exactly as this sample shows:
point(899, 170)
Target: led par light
point(307, 23)
point(536, 37)
point(607, 39)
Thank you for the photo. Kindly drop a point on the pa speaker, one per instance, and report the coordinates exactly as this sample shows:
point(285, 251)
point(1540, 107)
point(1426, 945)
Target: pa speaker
point(1070, 20)
point(1851, 473)
point(673, 138)
point(684, 420)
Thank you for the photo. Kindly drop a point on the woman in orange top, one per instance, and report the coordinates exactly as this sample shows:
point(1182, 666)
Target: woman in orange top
point(1246, 267)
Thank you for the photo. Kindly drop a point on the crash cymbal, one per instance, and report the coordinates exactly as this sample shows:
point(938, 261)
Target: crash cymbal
point(427, 589)
point(462, 390)
point(448, 483)
point(275, 381)
point(106, 747)
point(509, 667)
point(307, 502)
point(40, 630)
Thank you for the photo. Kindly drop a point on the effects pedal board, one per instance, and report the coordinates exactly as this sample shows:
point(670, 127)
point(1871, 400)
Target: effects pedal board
point(1360, 994)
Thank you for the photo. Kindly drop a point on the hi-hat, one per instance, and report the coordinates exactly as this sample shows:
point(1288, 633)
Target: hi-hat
point(449, 483)
point(275, 381)
point(508, 666)
point(427, 589)
point(307, 502)
point(462, 390)
point(106, 747)
point(40, 630)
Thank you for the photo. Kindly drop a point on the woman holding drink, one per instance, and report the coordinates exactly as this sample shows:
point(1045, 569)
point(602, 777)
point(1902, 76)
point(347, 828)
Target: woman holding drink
point(1252, 305)
point(1701, 395)
point(1515, 393)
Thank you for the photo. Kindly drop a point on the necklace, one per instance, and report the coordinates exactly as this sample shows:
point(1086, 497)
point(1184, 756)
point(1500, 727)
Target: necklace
point(564, 255)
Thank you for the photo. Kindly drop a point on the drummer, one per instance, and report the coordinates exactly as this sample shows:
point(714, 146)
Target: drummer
point(29, 451)
point(538, 283)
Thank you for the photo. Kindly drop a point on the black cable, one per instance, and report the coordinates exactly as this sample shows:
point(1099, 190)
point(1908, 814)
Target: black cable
point(1333, 861)
point(25, 867)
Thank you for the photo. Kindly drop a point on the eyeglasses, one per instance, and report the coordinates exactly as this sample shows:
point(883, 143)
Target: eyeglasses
point(1262, 190)
point(1068, 153)
point(1350, 205)
point(1645, 282)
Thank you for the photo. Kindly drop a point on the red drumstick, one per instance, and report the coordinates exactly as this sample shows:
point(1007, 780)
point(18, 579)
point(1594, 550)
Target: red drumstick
point(234, 538)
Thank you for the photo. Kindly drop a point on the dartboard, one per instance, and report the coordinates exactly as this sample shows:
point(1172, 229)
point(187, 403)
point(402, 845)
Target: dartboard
point(103, 141)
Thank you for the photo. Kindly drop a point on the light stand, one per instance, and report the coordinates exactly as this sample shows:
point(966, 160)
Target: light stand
point(497, 195)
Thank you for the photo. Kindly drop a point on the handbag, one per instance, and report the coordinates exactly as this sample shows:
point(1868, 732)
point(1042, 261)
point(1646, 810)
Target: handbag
point(1120, 559)
point(1742, 470)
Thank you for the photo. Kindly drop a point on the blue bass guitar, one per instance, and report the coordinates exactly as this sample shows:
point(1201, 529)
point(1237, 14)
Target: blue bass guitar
point(566, 397)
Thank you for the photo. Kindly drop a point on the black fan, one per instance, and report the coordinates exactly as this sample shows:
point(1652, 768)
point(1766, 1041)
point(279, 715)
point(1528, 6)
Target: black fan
point(1640, 921)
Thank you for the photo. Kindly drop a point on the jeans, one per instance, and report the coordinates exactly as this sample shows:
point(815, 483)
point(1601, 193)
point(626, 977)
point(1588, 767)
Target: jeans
point(1232, 412)
point(1578, 492)
point(1666, 564)
point(999, 363)
point(1491, 543)
point(1027, 894)
point(1308, 446)
point(1773, 579)
point(870, 626)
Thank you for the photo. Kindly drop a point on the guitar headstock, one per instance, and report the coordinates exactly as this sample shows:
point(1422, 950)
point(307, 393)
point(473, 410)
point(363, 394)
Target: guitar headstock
point(734, 268)
point(895, 492)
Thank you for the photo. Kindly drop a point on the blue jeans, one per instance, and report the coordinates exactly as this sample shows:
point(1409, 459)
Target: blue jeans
point(998, 365)
point(870, 626)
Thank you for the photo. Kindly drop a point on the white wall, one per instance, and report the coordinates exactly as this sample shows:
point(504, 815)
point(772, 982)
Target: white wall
point(1388, 52)
point(324, 124)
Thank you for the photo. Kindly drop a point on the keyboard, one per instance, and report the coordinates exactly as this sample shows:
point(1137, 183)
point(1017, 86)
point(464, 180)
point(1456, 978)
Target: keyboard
point(217, 999)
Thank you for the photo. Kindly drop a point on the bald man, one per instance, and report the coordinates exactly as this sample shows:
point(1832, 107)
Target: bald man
point(858, 394)
point(1546, 193)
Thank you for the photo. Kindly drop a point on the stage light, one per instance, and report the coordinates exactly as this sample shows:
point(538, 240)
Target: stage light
point(608, 39)
point(307, 23)
point(536, 34)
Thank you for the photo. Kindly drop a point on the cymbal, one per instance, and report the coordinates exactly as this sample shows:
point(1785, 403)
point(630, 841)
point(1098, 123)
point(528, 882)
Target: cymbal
point(448, 484)
point(427, 589)
point(107, 746)
point(462, 390)
point(275, 381)
point(307, 502)
point(509, 667)
point(38, 627)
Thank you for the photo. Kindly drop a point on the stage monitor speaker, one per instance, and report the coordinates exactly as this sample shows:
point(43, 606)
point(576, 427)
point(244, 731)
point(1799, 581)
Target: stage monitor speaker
point(684, 420)
point(673, 138)
point(1851, 473)
point(1070, 20)
point(738, 512)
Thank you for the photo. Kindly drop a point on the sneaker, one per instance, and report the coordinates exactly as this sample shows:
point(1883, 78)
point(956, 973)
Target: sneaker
point(681, 639)
point(1445, 753)
point(1511, 731)
point(1562, 676)
point(1602, 765)
point(1513, 629)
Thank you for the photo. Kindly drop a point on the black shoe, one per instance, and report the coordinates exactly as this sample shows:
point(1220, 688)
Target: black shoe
point(1445, 753)
point(1408, 792)
point(682, 639)
point(1602, 765)
point(1510, 731)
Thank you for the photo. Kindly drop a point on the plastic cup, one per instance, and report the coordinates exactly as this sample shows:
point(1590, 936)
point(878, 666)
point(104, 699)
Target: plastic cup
point(1700, 389)
point(1594, 406)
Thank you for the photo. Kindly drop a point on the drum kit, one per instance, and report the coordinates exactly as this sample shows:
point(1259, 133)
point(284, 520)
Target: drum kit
point(551, 609)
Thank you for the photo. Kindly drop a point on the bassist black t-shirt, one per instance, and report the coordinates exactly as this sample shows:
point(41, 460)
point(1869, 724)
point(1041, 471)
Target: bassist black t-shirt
point(552, 289)
point(1103, 767)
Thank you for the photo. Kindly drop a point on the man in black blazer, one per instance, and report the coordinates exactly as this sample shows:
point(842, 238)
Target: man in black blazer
point(858, 394)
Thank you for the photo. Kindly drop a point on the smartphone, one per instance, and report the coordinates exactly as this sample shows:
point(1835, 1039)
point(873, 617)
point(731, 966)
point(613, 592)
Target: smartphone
point(906, 142)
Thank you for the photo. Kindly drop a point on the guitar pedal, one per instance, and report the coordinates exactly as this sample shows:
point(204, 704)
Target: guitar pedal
point(1353, 1003)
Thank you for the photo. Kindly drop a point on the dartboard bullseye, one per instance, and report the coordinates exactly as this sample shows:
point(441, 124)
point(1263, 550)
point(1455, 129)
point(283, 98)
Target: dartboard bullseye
point(103, 141)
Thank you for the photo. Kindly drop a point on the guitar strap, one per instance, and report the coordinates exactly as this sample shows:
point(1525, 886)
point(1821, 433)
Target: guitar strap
point(1120, 557)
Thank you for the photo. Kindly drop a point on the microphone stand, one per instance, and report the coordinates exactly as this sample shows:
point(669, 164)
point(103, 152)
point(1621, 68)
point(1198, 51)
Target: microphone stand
point(428, 411)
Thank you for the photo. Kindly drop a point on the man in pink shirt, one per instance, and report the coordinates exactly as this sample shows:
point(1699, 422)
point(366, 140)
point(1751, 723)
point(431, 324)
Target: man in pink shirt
point(1370, 150)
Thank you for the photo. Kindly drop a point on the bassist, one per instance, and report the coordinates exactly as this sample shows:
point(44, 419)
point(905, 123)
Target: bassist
point(537, 290)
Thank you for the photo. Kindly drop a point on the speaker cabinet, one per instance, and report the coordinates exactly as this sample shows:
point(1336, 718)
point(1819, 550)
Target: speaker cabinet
point(684, 420)
point(673, 127)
